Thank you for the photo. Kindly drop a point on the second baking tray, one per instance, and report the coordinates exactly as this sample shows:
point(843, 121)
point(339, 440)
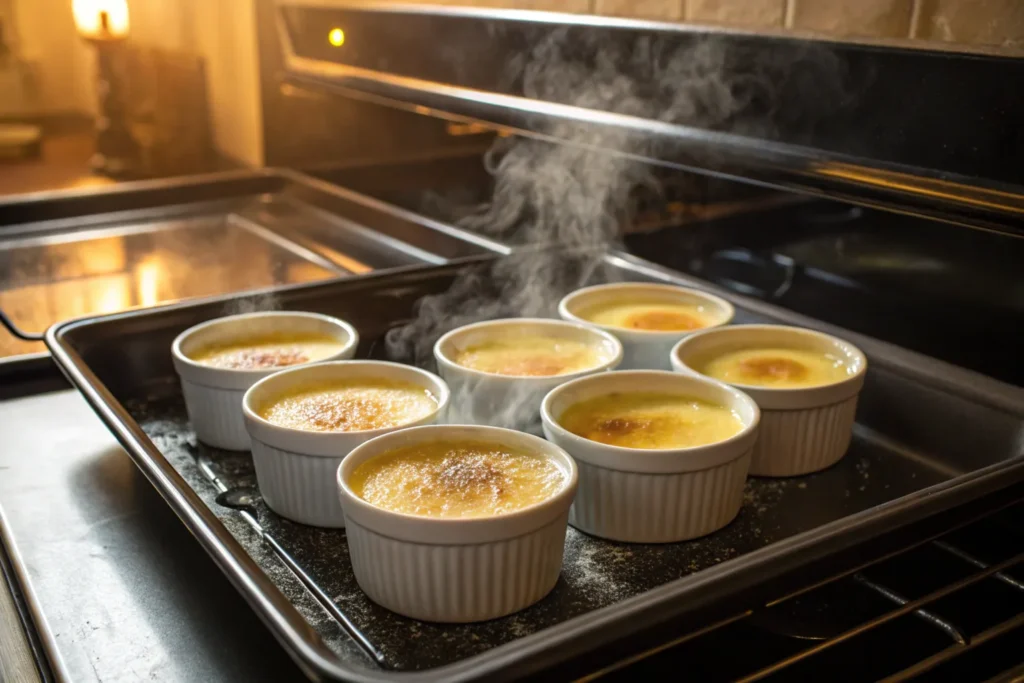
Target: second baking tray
point(929, 436)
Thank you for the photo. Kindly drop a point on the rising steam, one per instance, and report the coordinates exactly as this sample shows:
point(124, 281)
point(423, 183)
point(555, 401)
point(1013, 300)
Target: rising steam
point(258, 302)
point(577, 198)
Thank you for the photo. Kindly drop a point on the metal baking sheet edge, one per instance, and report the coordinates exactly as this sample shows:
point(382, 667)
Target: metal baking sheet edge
point(534, 652)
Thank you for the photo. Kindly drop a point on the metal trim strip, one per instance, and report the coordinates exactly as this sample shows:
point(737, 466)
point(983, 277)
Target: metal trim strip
point(946, 196)
point(42, 631)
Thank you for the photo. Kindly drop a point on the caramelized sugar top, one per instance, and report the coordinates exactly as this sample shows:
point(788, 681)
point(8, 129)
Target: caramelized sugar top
point(530, 356)
point(268, 352)
point(653, 316)
point(457, 479)
point(777, 367)
point(351, 405)
point(650, 420)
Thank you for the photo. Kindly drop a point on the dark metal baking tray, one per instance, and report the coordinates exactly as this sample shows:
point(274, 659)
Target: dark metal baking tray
point(929, 436)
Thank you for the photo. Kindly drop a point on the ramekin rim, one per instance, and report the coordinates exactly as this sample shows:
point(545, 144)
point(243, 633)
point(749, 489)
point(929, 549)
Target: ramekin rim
point(606, 336)
point(568, 488)
point(181, 357)
point(549, 420)
point(563, 308)
point(778, 391)
point(287, 432)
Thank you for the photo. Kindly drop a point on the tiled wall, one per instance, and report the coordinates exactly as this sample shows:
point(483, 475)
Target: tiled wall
point(995, 23)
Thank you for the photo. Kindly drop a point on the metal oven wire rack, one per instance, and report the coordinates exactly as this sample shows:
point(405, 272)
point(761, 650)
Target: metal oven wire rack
point(946, 604)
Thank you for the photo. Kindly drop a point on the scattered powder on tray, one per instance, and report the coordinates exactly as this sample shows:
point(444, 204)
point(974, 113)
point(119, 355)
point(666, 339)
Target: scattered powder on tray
point(584, 558)
point(178, 445)
point(760, 494)
point(597, 573)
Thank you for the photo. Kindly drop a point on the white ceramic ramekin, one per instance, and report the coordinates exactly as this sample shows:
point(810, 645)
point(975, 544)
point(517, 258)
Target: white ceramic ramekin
point(645, 349)
point(296, 469)
point(654, 496)
point(213, 396)
point(805, 429)
point(456, 570)
point(506, 400)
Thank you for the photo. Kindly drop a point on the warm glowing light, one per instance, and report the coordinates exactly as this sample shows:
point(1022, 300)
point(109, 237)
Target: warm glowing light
point(108, 294)
point(336, 37)
point(94, 258)
point(101, 19)
point(90, 181)
point(148, 275)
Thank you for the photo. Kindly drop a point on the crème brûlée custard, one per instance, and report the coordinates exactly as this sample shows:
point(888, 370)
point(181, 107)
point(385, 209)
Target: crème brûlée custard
point(780, 368)
point(652, 316)
point(457, 479)
point(650, 420)
point(530, 356)
point(351, 405)
point(272, 351)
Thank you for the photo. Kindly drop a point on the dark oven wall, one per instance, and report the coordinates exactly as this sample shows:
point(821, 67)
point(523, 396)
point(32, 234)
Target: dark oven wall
point(308, 130)
point(946, 112)
point(815, 98)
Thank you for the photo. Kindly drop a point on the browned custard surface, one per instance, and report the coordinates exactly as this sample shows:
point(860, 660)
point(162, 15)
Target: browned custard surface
point(260, 353)
point(650, 420)
point(652, 316)
point(351, 405)
point(780, 368)
point(530, 356)
point(457, 479)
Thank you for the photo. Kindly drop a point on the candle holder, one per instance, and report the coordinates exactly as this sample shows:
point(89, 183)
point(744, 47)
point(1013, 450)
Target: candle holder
point(104, 25)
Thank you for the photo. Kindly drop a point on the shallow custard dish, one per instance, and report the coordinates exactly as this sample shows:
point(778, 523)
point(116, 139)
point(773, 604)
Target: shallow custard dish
point(777, 367)
point(805, 382)
point(304, 421)
point(499, 370)
point(530, 356)
point(219, 360)
point(456, 523)
point(662, 457)
point(350, 405)
point(648, 318)
point(278, 350)
point(651, 420)
point(457, 479)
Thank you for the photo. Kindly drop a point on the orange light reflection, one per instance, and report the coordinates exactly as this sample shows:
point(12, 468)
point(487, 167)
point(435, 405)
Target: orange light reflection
point(148, 276)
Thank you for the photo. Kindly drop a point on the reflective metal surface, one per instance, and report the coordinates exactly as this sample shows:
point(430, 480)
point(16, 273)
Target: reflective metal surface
point(857, 143)
point(20, 658)
point(49, 279)
point(127, 594)
point(69, 254)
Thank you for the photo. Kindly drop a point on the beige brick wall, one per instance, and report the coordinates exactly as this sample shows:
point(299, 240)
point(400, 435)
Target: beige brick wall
point(989, 23)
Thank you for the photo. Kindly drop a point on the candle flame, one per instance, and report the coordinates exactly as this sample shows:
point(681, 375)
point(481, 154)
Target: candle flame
point(102, 19)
